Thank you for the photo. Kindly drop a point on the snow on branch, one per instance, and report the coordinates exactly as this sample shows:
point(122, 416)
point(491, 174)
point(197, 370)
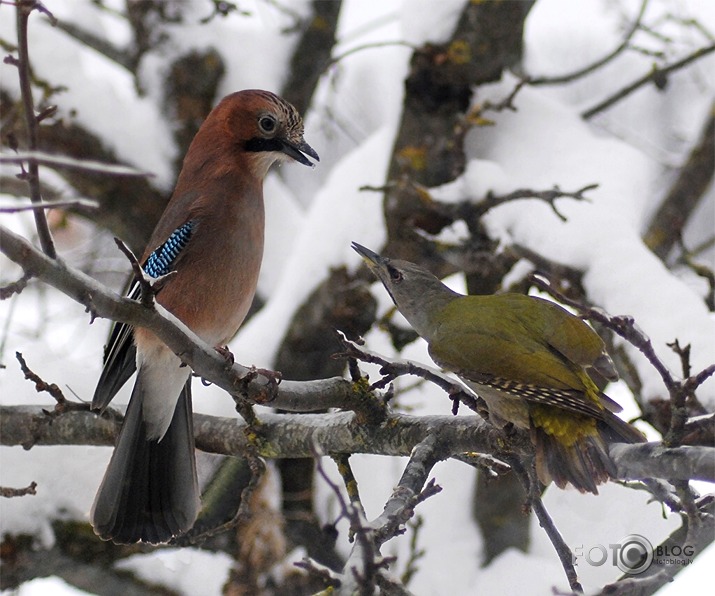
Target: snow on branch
point(63, 161)
point(203, 359)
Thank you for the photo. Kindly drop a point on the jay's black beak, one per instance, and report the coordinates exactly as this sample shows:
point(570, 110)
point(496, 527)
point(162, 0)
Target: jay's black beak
point(298, 151)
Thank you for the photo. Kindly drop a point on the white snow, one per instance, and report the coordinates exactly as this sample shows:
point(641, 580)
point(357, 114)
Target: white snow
point(313, 215)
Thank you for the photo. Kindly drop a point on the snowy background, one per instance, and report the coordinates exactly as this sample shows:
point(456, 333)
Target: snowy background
point(630, 150)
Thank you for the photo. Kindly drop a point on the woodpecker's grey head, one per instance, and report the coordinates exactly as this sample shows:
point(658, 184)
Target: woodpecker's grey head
point(416, 292)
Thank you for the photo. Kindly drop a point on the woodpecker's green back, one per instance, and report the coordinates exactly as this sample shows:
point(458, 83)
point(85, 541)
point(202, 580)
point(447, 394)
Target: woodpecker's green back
point(528, 358)
point(518, 337)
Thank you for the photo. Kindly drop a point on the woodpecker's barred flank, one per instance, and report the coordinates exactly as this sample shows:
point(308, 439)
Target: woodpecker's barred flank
point(548, 396)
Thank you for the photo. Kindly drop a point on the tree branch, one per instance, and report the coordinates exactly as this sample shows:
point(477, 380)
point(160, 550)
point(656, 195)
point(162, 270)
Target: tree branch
point(23, 10)
point(8, 493)
point(657, 75)
point(295, 435)
point(391, 369)
point(667, 224)
point(409, 491)
point(572, 76)
point(51, 205)
point(63, 161)
point(202, 358)
point(653, 460)
point(626, 327)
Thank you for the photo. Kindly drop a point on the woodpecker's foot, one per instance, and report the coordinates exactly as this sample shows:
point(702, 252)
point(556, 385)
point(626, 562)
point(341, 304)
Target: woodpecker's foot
point(226, 353)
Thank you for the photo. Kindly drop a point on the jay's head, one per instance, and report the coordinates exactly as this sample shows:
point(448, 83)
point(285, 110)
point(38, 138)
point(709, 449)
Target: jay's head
point(264, 127)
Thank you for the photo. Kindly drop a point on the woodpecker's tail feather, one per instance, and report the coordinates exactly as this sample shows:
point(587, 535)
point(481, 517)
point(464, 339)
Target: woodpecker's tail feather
point(586, 462)
point(615, 430)
point(150, 490)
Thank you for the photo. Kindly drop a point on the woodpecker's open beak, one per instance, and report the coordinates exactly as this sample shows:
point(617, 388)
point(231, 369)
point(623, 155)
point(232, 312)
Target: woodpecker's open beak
point(373, 260)
point(297, 151)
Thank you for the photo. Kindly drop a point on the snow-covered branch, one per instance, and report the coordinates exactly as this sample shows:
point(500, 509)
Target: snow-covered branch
point(295, 435)
point(203, 359)
point(653, 460)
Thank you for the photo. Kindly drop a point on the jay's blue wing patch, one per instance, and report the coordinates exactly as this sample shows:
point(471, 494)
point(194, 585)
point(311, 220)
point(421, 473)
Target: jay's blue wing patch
point(120, 352)
point(161, 260)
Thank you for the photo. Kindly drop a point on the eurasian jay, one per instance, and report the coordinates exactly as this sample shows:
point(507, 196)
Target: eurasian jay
point(211, 236)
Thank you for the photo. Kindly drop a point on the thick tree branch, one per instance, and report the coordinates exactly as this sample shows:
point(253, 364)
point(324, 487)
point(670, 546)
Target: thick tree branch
point(428, 148)
point(653, 460)
point(276, 435)
point(409, 492)
point(295, 435)
point(666, 227)
point(312, 53)
point(202, 358)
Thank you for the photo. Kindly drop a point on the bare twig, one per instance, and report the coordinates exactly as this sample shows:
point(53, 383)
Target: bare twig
point(658, 76)
point(148, 285)
point(533, 490)
point(99, 44)
point(328, 577)
point(365, 562)
point(690, 540)
point(23, 10)
point(492, 466)
point(15, 287)
point(391, 369)
point(626, 327)
point(9, 493)
point(684, 353)
point(40, 384)
point(577, 74)
point(342, 461)
point(367, 46)
point(548, 196)
point(258, 469)
point(471, 210)
point(62, 405)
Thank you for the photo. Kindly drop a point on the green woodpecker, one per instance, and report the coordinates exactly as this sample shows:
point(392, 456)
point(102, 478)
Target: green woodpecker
point(528, 358)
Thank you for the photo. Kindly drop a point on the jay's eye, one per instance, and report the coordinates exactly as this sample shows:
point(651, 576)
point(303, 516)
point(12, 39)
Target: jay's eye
point(395, 274)
point(267, 123)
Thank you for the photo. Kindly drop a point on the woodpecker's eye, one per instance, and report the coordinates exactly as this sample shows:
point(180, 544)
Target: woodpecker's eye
point(267, 123)
point(395, 274)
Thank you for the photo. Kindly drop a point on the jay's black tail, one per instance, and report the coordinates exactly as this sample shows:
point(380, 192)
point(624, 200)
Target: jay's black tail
point(150, 489)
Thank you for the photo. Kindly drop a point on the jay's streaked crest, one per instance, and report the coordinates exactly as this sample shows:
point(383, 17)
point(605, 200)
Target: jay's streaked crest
point(211, 236)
